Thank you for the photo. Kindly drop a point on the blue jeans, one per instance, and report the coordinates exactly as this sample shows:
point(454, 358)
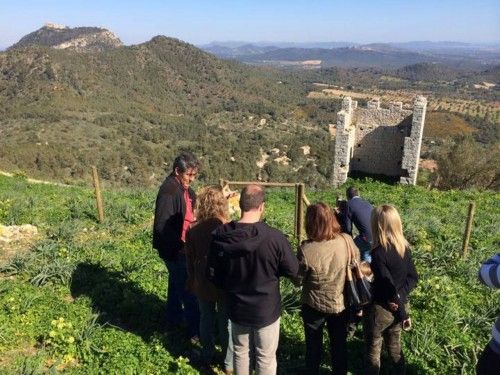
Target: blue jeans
point(364, 248)
point(214, 314)
point(181, 304)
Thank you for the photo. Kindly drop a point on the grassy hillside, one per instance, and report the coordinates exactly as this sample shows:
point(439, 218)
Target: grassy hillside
point(442, 124)
point(88, 298)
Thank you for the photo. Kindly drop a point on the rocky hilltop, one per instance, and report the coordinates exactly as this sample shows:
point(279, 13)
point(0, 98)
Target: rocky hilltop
point(81, 39)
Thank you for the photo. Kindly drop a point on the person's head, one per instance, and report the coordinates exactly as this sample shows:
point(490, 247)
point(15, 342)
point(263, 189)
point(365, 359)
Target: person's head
point(387, 229)
point(365, 269)
point(252, 198)
point(351, 192)
point(211, 203)
point(185, 168)
point(321, 223)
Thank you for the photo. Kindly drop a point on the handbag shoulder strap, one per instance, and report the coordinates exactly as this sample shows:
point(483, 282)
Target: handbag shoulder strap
point(348, 249)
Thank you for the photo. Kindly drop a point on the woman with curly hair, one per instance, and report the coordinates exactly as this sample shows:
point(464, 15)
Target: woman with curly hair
point(211, 211)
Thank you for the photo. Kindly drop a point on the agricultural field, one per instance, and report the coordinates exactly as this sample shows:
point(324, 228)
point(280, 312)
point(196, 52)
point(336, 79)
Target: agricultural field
point(89, 298)
point(486, 110)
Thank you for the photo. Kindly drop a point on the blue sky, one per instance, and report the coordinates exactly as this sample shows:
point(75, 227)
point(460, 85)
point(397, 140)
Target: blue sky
point(268, 20)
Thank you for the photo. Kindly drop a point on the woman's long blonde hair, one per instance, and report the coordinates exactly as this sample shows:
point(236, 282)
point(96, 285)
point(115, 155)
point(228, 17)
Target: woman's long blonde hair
point(211, 204)
point(387, 229)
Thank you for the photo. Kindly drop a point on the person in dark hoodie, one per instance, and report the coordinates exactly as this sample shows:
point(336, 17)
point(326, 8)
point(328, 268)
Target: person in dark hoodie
point(174, 214)
point(247, 258)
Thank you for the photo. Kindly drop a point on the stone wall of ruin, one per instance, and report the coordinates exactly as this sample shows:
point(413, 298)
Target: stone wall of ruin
point(411, 155)
point(377, 140)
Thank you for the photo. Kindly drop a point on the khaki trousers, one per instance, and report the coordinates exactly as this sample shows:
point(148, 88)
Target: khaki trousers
point(260, 343)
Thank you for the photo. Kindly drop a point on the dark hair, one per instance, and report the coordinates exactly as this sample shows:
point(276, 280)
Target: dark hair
point(351, 192)
point(321, 223)
point(185, 161)
point(252, 196)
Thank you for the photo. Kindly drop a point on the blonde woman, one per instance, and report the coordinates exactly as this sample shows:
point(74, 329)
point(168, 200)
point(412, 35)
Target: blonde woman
point(394, 277)
point(211, 212)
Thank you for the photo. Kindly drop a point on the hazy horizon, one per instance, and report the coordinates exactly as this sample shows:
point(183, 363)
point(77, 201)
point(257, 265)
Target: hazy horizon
point(293, 21)
point(274, 42)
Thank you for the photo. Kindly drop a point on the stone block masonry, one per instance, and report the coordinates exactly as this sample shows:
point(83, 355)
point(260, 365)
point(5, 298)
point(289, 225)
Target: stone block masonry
point(375, 140)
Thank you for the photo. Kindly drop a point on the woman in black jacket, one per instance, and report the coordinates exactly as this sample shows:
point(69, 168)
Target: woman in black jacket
point(394, 277)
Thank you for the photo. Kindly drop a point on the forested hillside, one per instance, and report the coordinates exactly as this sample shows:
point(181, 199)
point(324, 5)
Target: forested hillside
point(129, 110)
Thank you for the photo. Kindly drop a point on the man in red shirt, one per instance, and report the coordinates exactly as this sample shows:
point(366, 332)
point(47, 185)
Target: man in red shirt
point(174, 213)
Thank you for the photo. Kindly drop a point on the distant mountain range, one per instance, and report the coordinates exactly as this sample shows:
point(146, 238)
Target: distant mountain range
point(411, 45)
point(291, 54)
point(347, 54)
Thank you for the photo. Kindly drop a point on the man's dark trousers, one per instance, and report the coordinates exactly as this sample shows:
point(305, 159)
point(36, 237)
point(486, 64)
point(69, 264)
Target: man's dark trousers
point(178, 296)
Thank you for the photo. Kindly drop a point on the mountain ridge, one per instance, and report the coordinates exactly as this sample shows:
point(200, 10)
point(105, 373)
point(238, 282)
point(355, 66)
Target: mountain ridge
point(81, 39)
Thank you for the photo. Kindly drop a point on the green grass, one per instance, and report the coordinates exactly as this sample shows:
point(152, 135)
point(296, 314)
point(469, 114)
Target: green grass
point(89, 298)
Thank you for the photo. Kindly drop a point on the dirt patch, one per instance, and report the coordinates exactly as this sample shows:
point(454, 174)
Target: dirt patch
point(485, 85)
point(428, 164)
point(25, 351)
point(15, 239)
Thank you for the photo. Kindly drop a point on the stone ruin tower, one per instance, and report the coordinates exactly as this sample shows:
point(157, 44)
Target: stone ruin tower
point(378, 140)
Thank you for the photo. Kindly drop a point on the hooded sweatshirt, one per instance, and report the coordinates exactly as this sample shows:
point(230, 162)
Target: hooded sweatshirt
point(247, 260)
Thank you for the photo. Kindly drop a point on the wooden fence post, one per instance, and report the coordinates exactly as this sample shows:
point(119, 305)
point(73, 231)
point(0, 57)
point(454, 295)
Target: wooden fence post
point(296, 212)
point(468, 229)
point(300, 211)
point(98, 196)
